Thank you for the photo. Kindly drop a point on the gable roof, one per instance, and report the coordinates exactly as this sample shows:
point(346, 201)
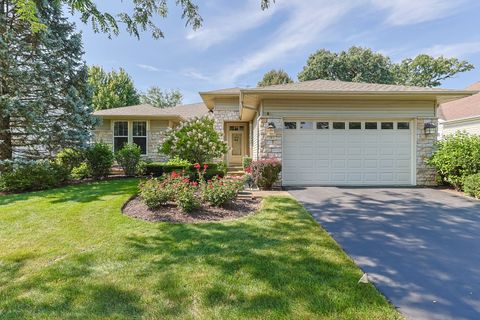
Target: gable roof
point(474, 86)
point(468, 107)
point(321, 85)
point(146, 110)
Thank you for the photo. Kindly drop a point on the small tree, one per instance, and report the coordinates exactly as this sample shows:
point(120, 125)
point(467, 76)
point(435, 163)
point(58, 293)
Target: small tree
point(273, 77)
point(195, 141)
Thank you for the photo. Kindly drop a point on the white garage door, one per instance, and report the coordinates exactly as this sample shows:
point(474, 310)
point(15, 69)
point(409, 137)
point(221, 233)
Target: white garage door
point(347, 153)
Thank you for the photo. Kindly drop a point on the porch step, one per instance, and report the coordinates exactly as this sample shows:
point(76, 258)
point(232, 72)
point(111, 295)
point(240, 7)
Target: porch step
point(116, 170)
point(245, 194)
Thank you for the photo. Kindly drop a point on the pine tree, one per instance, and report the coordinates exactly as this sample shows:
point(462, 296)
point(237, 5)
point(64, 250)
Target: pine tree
point(45, 99)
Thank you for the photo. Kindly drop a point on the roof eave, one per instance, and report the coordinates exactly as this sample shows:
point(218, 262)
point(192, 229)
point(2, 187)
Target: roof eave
point(138, 116)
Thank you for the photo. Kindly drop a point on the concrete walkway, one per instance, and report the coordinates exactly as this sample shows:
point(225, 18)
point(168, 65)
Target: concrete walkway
point(421, 247)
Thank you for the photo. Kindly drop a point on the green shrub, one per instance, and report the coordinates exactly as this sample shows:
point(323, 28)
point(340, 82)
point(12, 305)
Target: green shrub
point(21, 175)
point(246, 162)
point(471, 185)
point(81, 172)
point(141, 169)
point(156, 193)
point(157, 169)
point(187, 199)
point(99, 160)
point(265, 172)
point(70, 158)
point(456, 157)
point(195, 140)
point(177, 161)
point(219, 192)
point(128, 158)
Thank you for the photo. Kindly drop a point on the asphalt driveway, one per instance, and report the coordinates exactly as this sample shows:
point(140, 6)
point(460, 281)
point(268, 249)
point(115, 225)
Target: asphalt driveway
point(421, 247)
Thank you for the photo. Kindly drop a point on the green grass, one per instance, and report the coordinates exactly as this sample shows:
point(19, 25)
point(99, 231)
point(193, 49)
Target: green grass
point(70, 253)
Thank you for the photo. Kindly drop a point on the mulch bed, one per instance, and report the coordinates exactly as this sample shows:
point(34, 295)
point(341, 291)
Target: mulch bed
point(170, 213)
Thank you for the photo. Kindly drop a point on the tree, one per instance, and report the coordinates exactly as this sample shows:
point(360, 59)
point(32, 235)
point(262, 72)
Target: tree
point(194, 140)
point(161, 98)
point(144, 18)
point(111, 90)
point(363, 65)
point(45, 101)
point(427, 71)
point(274, 77)
point(355, 65)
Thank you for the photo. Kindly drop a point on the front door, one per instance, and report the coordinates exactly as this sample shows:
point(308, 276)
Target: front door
point(237, 143)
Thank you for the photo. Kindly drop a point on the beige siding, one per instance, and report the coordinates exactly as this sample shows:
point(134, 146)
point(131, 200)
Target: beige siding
point(158, 125)
point(105, 124)
point(227, 104)
point(472, 127)
point(255, 138)
point(370, 109)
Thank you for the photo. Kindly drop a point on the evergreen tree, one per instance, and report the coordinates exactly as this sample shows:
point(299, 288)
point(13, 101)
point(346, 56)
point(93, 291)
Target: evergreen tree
point(45, 100)
point(112, 89)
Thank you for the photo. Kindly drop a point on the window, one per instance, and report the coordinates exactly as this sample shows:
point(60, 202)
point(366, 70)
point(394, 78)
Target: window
point(387, 125)
point(236, 128)
point(371, 126)
point(354, 125)
point(403, 125)
point(323, 125)
point(139, 135)
point(339, 125)
point(289, 125)
point(120, 134)
point(306, 125)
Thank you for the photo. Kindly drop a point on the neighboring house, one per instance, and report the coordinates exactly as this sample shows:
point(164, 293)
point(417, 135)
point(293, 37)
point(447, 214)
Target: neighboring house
point(324, 132)
point(460, 115)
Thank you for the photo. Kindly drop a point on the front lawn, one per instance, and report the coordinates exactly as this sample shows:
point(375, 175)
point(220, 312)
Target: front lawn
point(70, 253)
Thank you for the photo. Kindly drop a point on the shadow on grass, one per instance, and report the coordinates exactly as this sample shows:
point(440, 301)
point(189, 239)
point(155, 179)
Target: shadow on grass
point(86, 192)
point(285, 256)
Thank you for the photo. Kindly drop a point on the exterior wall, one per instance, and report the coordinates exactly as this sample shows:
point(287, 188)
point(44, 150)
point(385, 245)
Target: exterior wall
point(255, 135)
point(225, 110)
point(471, 126)
point(347, 108)
point(424, 149)
point(155, 136)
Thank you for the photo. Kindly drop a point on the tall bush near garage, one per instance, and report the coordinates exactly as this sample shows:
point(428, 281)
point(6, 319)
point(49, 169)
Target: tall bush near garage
point(265, 172)
point(195, 141)
point(457, 156)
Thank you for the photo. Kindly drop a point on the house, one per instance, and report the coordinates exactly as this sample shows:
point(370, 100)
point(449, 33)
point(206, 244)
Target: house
point(460, 115)
point(324, 132)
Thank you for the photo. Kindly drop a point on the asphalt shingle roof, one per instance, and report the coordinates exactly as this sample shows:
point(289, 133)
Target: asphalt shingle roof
point(185, 111)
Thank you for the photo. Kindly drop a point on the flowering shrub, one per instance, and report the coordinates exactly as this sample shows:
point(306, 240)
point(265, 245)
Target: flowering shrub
point(187, 199)
point(157, 192)
point(219, 192)
point(195, 141)
point(128, 158)
point(25, 175)
point(265, 172)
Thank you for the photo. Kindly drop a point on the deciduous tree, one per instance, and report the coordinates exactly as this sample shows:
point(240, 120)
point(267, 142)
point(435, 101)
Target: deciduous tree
point(161, 98)
point(273, 77)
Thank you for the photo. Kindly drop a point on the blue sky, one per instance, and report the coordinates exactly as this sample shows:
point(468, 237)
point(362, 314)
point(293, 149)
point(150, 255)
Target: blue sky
point(238, 42)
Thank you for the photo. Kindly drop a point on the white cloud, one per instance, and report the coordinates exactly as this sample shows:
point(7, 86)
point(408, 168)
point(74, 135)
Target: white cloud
point(148, 67)
point(460, 50)
point(196, 75)
point(406, 12)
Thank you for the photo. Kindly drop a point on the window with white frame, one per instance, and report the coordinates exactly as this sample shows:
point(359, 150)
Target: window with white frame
point(139, 135)
point(120, 134)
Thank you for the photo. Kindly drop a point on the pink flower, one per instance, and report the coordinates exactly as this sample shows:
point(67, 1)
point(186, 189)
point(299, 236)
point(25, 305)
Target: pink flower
point(195, 183)
point(174, 174)
point(205, 166)
point(196, 166)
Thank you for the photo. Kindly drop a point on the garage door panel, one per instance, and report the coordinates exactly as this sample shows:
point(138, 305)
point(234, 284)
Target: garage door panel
point(347, 156)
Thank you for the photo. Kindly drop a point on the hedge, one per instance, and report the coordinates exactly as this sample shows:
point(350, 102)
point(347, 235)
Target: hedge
point(157, 169)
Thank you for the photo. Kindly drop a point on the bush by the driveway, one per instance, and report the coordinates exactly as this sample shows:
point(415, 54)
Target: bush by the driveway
point(471, 185)
point(457, 157)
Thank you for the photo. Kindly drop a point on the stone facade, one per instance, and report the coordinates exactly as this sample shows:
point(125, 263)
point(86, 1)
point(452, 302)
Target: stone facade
point(270, 140)
point(425, 148)
point(220, 116)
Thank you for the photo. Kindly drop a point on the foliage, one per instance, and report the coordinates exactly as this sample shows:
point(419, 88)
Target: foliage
point(161, 98)
point(194, 140)
point(111, 89)
point(471, 185)
point(26, 175)
point(273, 77)
point(359, 64)
point(81, 172)
point(179, 260)
point(218, 192)
point(356, 65)
point(246, 162)
point(456, 157)
point(156, 193)
point(128, 158)
point(144, 18)
point(45, 100)
point(177, 161)
point(156, 169)
point(70, 158)
point(186, 198)
point(265, 172)
point(99, 159)
point(142, 168)
point(427, 71)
